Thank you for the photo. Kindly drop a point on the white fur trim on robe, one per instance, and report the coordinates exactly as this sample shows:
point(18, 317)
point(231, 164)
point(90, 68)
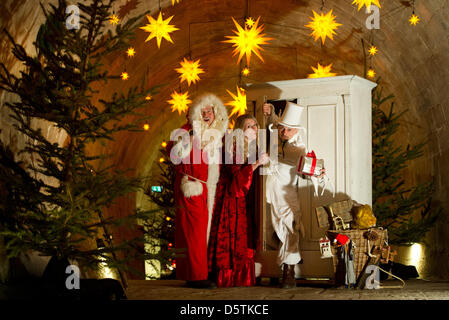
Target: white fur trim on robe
point(191, 188)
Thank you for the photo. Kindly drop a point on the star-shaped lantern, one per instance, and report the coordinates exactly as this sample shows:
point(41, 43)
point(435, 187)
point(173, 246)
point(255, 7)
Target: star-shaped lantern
point(414, 19)
point(372, 50)
point(322, 72)
point(247, 41)
point(113, 19)
point(189, 71)
point(239, 102)
point(173, 2)
point(245, 71)
point(249, 22)
point(179, 102)
point(124, 75)
point(371, 73)
point(130, 52)
point(323, 25)
point(366, 3)
point(159, 29)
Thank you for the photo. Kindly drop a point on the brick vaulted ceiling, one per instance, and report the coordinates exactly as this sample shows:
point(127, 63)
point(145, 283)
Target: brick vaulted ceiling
point(412, 62)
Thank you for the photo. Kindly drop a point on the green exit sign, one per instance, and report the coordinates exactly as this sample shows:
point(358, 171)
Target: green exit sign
point(156, 188)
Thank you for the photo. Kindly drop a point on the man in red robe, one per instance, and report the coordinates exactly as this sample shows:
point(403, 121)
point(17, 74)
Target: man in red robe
point(197, 158)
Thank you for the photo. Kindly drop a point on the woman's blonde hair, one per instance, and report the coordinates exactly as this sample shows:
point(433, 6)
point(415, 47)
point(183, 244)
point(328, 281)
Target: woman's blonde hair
point(239, 125)
point(240, 121)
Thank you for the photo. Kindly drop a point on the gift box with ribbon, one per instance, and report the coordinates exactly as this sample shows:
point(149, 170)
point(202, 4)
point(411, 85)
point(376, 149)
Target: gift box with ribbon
point(309, 165)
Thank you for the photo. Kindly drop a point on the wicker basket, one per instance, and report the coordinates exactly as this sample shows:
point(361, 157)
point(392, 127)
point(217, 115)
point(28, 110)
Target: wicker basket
point(361, 256)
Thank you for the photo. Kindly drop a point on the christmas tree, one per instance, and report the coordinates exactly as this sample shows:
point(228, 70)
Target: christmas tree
point(407, 211)
point(162, 226)
point(55, 205)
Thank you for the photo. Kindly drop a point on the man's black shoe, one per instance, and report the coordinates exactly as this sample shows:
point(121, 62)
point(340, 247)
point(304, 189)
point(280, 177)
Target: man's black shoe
point(201, 284)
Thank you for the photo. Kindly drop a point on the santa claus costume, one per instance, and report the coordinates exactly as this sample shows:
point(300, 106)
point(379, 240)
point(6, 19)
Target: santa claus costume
point(195, 185)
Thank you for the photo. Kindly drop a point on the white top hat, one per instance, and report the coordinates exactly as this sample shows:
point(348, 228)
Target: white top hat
point(292, 116)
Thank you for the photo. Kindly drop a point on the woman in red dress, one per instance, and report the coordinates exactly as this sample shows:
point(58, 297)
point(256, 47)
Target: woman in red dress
point(231, 261)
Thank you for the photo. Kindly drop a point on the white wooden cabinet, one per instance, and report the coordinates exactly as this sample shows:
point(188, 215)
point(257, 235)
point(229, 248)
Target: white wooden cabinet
point(338, 128)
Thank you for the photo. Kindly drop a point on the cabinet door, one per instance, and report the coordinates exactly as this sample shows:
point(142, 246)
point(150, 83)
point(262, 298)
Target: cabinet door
point(325, 135)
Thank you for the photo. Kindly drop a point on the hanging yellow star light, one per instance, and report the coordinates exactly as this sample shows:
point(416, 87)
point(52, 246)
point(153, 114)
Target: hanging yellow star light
point(245, 71)
point(159, 29)
point(173, 2)
point(372, 50)
point(113, 19)
point(239, 102)
point(179, 102)
point(371, 73)
point(249, 22)
point(414, 19)
point(146, 127)
point(366, 3)
point(189, 71)
point(323, 25)
point(322, 72)
point(124, 75)
point(247, 41)
point(131, 52)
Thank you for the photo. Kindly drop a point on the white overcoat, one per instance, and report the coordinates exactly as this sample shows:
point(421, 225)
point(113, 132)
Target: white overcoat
point(282, 195)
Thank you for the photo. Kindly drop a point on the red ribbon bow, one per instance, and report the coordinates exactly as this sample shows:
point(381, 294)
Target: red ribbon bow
point(312, 169)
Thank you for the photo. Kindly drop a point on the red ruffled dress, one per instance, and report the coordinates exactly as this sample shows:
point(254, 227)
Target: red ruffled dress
point(230, 260)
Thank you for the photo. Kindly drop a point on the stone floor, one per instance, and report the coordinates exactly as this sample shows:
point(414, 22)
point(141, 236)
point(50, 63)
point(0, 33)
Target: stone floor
point(415, 289)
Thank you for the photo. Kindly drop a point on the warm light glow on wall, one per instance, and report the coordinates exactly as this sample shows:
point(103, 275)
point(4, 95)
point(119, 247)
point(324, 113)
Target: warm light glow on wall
point(415, 254)
point(106, 272)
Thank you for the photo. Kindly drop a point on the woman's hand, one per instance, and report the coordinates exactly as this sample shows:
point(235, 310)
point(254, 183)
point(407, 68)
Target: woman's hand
point(263, 159)
point(266, 109)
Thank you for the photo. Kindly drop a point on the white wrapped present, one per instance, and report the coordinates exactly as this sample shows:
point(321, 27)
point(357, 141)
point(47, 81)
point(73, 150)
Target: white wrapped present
point(310, 165)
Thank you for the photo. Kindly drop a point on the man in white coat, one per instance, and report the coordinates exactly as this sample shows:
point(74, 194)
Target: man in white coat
point(282, 187)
